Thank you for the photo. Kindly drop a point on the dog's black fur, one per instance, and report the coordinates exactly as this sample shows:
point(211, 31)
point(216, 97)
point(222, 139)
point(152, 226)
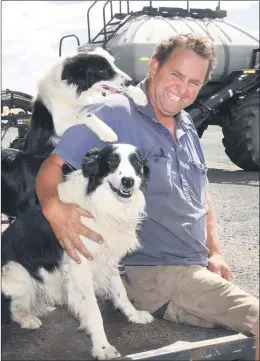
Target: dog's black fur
point(19, 171)
point(40, 131)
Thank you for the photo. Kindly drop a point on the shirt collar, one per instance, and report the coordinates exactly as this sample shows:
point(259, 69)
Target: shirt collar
point(183, 119)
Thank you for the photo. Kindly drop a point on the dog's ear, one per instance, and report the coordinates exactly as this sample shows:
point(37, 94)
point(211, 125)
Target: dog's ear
point(91, 163)
point(146, 170)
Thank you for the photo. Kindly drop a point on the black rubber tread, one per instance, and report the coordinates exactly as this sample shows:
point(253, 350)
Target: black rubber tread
point(241, 133)
point(18, 143)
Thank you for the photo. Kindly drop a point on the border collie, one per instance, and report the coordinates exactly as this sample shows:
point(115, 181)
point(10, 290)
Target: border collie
point(38, 274)
point(19, 170)
point(65, 91)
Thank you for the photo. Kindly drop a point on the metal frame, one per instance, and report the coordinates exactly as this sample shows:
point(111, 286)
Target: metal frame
point(67, 36)
point(238, 83)
point(234, 347)
point(107, 34)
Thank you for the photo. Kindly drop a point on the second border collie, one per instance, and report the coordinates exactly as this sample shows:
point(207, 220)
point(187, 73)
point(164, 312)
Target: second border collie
point(65, 91)
point(38, 274)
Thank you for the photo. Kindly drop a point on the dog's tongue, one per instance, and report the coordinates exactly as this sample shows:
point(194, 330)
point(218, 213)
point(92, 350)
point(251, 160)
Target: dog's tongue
point(110, 88)
point(113, 90)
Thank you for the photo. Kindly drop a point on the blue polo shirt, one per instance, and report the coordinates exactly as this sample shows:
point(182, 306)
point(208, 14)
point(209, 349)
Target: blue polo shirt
point(175, 230)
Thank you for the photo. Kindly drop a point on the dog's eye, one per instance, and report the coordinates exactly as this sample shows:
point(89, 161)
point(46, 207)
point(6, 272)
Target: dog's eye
point(112, 162)
point(136, 161)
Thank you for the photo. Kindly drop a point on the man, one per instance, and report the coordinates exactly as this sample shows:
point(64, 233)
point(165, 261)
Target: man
point(180, 273)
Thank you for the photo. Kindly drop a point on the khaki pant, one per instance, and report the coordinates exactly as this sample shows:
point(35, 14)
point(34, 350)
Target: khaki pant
point(190, 294)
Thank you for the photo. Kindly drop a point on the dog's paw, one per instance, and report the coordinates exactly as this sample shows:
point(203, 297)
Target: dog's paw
point(141, 317)
point(137, 95)
point(104, 352)
point(107, 136)
point(30, 322)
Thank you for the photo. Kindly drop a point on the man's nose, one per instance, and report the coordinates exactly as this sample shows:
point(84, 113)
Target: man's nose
point(182, 88)
point(127, 182)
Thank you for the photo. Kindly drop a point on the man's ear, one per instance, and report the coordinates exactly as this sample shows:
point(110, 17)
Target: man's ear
point(91, 163)
point(154, 65)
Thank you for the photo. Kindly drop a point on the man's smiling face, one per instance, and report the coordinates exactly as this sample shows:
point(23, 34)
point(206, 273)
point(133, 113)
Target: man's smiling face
point(176, 84)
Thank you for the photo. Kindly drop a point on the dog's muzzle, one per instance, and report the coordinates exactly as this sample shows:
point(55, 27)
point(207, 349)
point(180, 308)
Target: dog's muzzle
point(127, 83)
point(126, 190)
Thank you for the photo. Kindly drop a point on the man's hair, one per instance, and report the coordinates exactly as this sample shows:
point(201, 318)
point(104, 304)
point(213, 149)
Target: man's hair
point(196, 42)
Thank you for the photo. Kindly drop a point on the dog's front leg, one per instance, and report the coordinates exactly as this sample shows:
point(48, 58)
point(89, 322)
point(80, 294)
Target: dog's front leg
point(83, 304)
point(121, 301)
point(101, 129)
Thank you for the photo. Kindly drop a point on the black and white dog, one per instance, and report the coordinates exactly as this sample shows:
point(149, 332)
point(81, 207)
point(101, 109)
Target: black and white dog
point(67, 88)
point(37, 274)
point(63, 94)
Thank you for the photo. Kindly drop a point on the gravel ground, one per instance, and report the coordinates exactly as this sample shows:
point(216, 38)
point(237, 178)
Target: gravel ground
point(235, 195)
point(236, 198)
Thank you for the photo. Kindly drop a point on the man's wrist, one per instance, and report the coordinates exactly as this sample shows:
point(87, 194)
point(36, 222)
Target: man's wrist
point(215, 252)
point(49, 205)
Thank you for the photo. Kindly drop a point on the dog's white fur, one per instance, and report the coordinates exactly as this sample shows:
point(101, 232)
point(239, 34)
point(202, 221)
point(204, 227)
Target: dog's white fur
point(67, 109)
point(77, 285)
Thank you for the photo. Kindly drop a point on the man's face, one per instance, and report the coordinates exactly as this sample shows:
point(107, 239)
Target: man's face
point(177, 83)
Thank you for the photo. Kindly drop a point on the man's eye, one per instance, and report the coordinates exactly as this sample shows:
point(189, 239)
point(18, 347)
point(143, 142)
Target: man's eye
point(196, 84)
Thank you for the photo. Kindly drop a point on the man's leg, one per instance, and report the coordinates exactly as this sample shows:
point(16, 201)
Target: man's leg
point(194, 295)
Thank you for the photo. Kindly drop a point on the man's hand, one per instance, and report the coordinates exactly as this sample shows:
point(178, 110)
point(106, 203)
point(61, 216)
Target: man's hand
point(217, 264)
point(67, 226)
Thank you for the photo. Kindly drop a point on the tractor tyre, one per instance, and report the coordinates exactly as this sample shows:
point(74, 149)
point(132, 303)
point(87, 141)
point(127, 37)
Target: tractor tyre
point(241, 133)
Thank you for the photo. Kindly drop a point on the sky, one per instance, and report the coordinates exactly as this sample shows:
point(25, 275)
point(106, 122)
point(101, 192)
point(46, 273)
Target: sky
point(31, 31)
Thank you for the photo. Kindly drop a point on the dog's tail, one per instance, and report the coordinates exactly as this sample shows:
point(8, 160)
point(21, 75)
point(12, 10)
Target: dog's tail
point(5, 309)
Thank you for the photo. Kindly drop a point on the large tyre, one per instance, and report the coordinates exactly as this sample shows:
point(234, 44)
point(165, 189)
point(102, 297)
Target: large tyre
point(18, 143)
point(241, 133)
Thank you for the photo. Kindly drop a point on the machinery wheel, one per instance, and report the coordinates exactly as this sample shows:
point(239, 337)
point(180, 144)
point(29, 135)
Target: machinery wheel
point(18, 114)
point(18, 143)
point(241, 133)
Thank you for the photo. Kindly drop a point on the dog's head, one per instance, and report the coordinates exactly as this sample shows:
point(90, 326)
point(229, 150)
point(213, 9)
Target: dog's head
point(120, 167)
point(94, 69)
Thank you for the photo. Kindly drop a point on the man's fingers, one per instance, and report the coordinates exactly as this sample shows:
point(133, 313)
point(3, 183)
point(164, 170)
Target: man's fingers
point(68, 246)
point(86, 232)
point(83, 213)
point(78, 244)
point(227, 274)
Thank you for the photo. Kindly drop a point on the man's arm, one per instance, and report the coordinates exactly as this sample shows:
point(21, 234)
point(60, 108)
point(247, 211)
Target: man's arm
point(47, 180)
point(213, 241)
point(216, 262)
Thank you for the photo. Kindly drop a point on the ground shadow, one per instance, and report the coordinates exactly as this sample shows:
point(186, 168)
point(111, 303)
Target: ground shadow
point(238, 177)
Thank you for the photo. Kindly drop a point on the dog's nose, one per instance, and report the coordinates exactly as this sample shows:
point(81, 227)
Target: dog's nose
point(127, 83)
point(127, 182)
